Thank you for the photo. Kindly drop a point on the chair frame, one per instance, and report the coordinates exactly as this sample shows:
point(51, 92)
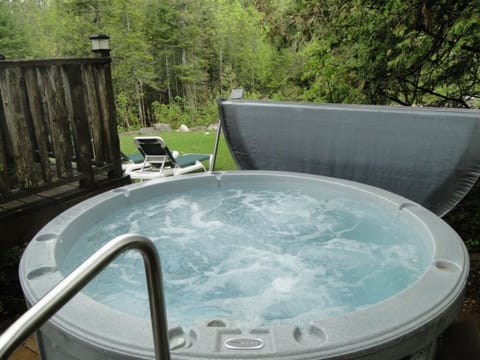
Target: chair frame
point(161, 163)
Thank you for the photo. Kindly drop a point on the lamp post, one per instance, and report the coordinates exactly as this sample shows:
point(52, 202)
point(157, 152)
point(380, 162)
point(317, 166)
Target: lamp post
point(100, 44)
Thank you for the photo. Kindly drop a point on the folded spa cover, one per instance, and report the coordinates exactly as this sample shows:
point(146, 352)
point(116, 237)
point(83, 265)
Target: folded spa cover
point(431, 156)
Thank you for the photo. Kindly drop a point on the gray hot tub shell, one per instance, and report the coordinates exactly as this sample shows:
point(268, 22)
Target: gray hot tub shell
point(405, 324)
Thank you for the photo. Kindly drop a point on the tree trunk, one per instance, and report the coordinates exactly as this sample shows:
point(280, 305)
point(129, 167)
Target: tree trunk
point(221, 71)
point(169, 88)
point(141, 110)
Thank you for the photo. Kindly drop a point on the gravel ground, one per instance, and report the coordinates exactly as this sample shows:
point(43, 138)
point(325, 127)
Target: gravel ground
point(472, 293)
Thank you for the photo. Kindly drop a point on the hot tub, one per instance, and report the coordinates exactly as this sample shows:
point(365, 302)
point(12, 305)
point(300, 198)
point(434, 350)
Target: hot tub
point(257, 265)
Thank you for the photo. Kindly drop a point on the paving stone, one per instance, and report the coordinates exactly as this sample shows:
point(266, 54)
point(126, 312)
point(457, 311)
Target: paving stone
point(27, 351)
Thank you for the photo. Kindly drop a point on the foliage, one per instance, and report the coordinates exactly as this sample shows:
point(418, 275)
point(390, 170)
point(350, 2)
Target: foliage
point(11, 302)
point(170, 113)
point(413, 52)
point(406, 52)
point(12, 36)
point(465, 219)
point(125, 112)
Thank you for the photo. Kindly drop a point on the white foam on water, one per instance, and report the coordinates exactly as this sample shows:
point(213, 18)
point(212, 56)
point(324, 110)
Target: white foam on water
point(256, 257)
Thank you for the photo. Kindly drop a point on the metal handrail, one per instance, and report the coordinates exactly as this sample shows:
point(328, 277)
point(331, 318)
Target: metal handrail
point(73, 283)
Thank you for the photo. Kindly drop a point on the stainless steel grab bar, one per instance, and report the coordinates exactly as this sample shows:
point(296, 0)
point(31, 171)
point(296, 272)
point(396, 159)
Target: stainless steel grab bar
point(73, 283)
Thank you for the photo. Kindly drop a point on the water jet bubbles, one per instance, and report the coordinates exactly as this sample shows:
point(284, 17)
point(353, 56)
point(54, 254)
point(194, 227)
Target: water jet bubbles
point(256, 256)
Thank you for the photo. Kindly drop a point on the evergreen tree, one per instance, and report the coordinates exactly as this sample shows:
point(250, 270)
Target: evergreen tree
point(13, 42)
point(172, 58)
point(404, 52)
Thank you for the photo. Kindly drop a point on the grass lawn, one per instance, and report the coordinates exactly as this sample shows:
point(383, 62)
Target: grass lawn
point(191, 142)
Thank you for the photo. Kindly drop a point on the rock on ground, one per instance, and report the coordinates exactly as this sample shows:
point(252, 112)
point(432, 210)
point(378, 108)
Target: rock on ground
point(183, 128)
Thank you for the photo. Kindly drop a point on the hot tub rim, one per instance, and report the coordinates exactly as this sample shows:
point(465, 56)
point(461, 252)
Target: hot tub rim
point(407, 206)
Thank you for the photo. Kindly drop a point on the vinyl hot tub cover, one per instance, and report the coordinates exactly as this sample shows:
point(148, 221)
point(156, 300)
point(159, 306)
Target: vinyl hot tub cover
point(428, 155)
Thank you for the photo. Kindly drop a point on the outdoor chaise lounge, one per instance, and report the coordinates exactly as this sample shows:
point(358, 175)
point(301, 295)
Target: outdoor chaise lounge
point(159, 161)
point(131, 162)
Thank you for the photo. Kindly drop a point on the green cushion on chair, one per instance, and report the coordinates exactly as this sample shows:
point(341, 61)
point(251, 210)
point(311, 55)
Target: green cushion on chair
point(190, 159)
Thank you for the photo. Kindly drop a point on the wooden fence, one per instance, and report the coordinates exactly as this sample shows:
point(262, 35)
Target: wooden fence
point(57, 124)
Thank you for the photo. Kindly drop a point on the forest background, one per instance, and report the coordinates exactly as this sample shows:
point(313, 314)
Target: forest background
point(173, 58)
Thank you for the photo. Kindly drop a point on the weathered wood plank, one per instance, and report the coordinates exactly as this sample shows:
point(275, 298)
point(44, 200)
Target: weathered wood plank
point(93, 111)
point(62, 109)
point(15, 107)
point(54, 62)
point(54, 95)
point(4, 178)
point(39, 127)
point(107, 105)
point(78, 116)
point(13, 204)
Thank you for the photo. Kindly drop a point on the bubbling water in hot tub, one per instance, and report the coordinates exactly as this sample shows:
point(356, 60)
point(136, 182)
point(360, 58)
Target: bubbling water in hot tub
point(257, 257)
